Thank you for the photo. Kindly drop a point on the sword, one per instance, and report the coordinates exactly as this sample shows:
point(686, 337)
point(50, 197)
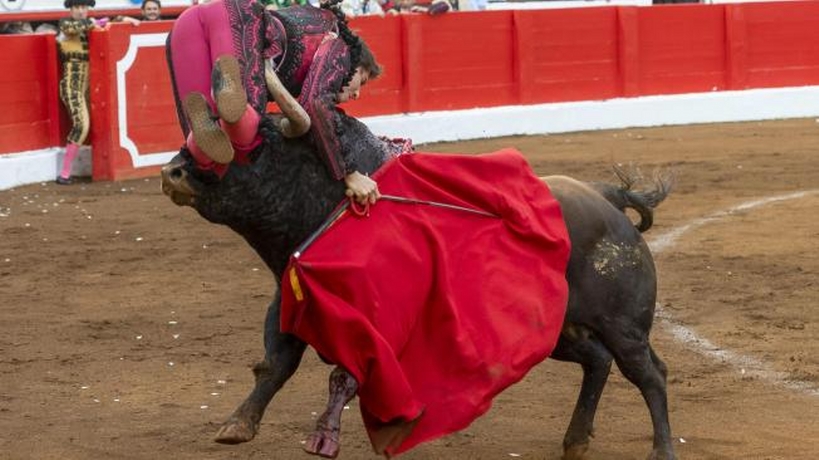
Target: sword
point(339, 211)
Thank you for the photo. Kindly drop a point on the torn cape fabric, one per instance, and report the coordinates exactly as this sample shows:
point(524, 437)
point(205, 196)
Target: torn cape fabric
point(432, 308)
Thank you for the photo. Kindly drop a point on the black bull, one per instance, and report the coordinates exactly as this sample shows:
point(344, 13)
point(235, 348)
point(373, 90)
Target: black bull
point(284, 194)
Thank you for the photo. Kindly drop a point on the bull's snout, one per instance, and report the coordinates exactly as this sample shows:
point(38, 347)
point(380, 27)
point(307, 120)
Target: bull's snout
point(175, 184)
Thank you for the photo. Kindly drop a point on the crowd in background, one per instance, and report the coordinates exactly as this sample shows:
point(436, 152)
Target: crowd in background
point(151, 10)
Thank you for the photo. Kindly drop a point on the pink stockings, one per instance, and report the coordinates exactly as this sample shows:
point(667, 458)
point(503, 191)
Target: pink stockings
point(71, 151)
point(200, 36)
point(244, 135)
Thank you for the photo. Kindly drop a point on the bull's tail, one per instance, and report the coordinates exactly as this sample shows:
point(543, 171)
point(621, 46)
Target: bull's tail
point(641, 201)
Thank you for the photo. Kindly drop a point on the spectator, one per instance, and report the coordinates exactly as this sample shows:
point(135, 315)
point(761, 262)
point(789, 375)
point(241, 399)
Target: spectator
point(433, 8)
point(15, 27)
point(73, 48)
point(352, 8)
point(386, 5)
point(47, 28)
point(151, 10)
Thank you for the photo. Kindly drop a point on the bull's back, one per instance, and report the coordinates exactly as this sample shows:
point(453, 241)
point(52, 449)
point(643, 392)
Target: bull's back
point(609, 258)
point(589, 216)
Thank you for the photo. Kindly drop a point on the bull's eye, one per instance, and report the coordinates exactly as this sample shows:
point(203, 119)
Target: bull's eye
point(176, 173)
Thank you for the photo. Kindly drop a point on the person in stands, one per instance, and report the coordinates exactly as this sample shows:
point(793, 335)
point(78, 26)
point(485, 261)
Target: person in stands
point(151, 10)
point(433, 7)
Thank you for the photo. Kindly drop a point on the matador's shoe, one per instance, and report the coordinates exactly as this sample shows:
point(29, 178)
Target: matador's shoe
point(228, 92)
point(207, 134)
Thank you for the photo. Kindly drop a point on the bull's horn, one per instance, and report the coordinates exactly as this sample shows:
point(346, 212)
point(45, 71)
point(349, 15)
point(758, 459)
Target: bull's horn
point(296, 122)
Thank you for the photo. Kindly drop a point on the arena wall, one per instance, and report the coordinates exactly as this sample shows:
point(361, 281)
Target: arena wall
point(454, 77)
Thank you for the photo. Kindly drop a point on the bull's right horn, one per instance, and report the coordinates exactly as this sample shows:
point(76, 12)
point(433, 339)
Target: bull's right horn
point(296, 122)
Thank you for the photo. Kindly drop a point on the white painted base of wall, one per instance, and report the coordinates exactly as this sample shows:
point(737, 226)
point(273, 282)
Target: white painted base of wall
point(682, 109)
point(715, 107)
point(40, 166)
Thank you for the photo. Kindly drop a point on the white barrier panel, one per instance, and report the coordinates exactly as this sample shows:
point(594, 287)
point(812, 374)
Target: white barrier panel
point(648, 111)
point(40, 166)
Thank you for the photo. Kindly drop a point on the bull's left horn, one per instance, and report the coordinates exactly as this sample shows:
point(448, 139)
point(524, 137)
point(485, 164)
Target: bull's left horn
point(296, 122)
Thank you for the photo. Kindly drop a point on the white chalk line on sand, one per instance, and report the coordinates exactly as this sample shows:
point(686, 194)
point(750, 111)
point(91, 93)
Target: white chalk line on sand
point(746, 365)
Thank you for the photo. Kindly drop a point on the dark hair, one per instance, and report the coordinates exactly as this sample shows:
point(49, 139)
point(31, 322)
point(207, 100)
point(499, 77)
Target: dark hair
point(145, 2)
point(358, 49)
point(367, 61)
point(72, 3)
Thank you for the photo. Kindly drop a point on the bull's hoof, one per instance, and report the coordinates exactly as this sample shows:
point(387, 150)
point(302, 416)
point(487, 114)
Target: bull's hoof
point(235, 432)
point(575, 451)
point(322, 444)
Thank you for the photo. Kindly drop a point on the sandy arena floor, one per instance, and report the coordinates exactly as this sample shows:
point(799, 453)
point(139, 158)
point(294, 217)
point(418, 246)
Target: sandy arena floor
point(128, 325)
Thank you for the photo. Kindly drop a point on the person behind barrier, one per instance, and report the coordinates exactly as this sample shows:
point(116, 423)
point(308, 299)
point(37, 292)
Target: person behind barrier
point(15, 28)
point(217, 53)
point(73, 50)
point(151, 10)
point(433, 8)
point(353, 8)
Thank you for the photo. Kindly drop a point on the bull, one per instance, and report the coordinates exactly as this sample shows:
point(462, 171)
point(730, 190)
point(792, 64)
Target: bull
point(284, 194)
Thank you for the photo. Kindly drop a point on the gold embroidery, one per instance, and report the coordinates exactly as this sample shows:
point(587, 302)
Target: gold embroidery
point(294, 283)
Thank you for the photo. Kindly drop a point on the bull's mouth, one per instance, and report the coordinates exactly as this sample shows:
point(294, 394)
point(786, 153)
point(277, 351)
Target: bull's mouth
point(176, 183)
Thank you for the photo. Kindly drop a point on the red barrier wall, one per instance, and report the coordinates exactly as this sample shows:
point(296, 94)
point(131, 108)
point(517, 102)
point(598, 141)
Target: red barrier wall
point(29, 112)
point(454, 61)
point(132, 107)
point(385, 38)
point(780, 44)
point(569, 56)
point(460, 61)
point(679, 50)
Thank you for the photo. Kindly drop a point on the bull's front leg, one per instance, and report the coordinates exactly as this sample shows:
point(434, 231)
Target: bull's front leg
point(283, 353)
point(324, 441)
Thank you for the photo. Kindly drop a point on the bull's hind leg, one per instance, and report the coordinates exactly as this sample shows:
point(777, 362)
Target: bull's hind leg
point(283, 353)
point(642, 367)
point(577, 345)
point(324, 441)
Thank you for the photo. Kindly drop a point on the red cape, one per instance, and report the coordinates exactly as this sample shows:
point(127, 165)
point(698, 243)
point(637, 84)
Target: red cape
point(434, 309)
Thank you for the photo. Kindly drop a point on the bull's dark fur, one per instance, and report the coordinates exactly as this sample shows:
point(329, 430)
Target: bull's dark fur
point(285, 193)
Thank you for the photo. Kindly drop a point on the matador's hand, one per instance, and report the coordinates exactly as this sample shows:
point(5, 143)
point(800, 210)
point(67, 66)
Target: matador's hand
point(362, 188)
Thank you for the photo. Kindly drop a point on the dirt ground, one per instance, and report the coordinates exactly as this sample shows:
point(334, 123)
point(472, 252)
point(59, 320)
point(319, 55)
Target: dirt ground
point(128, 325)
